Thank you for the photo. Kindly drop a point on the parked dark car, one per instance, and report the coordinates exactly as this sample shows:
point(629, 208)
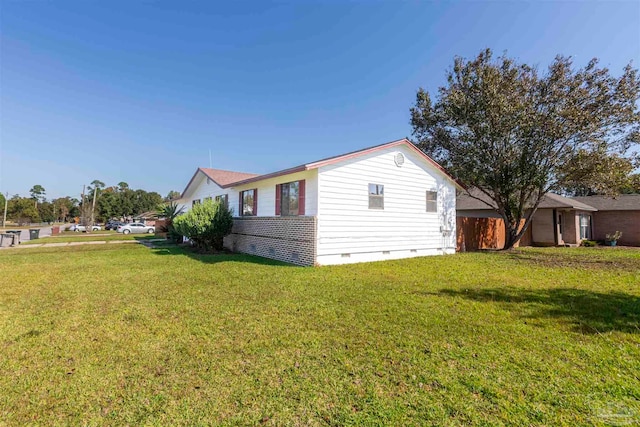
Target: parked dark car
point(113, 225)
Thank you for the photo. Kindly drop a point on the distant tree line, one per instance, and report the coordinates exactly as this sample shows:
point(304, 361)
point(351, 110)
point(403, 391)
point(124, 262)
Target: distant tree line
point(118, 201)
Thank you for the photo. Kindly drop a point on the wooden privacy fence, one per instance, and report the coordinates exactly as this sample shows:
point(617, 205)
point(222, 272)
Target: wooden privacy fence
point(484, 233)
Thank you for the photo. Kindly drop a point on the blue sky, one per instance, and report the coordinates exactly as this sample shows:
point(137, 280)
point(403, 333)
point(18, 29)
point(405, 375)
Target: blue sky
point(140, 91)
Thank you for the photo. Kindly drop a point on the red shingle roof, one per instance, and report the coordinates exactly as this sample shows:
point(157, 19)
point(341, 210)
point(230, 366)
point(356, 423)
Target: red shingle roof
point(222, 177)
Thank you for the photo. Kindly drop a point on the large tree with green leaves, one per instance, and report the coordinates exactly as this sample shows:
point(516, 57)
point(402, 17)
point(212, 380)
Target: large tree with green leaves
point(172, 195)
point(633, 187)
point(37, 194)
point(45, 212)
point(66, 208)
point(513, 132)
point(597, 172)
point(22, 210)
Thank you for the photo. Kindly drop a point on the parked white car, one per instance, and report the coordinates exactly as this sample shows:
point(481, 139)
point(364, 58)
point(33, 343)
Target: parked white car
point(136, 228)
point(81, 228)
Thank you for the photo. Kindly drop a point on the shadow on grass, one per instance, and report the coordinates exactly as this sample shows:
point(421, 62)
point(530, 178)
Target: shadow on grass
point(595, 259)
point(147, 237)
point(588, 311)
point(175, 250)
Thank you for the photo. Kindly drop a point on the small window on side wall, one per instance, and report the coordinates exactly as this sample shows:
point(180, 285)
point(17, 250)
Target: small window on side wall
point(376, 196)
point(432, 201)
point(195, 202)
point(224, 199)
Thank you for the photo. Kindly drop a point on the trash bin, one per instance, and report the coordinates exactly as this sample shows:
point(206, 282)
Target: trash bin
point(16, 234)
point(7, 239)
point(34, 233)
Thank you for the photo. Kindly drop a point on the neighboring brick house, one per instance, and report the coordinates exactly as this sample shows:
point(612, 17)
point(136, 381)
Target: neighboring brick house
point(621, 213)
point(147, 218)
point(384, 202)
point(559, 221)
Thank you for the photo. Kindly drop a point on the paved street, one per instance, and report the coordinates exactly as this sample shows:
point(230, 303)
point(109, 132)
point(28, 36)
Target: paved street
point(44, 231)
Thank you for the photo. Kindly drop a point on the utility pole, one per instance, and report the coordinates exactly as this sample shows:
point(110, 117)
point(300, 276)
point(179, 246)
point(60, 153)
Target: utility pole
point(93, 205)
point(83, 208)
point(6, 202)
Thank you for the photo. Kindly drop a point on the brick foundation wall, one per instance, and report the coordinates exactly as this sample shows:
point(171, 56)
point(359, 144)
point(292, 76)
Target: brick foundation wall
point(289, 239)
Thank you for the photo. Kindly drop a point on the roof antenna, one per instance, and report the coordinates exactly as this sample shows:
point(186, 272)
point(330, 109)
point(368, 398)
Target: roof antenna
point(210, 162)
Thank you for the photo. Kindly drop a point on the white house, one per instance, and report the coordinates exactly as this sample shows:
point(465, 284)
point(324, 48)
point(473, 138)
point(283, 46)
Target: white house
point(384, 202)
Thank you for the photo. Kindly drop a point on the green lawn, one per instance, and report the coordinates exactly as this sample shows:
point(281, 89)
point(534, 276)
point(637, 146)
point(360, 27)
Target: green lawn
point(78, 233)
point(127, 335)
point(82, 237)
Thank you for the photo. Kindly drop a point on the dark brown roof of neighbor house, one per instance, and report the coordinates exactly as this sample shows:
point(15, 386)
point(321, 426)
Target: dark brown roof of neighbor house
point(622, 202)
point(549, 201)
point(148, 214)
point(556, 201)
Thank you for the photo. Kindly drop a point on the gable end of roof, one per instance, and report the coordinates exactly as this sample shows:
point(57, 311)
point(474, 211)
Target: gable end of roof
point(222, 178)
point(331, 160)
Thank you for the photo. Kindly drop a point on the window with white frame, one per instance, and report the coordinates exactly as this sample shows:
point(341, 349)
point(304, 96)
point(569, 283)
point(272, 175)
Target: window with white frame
point(376, 196)
point(432, 201)
point(195, 202)
point(585, 226)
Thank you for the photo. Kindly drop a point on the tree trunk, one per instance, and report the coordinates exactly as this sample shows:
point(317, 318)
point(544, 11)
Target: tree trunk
point(511, 236)
point(512, 231)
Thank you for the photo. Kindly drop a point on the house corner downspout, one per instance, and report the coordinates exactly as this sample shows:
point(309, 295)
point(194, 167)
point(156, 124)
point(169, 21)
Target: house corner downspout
point(555, 227)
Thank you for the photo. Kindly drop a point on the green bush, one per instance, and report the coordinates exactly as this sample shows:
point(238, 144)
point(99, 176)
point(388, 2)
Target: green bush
point(588, 243)
point(170, 212)
point(206, 224)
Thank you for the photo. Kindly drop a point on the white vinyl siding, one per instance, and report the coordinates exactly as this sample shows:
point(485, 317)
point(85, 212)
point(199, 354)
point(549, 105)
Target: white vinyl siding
point(346, 225)
point(201, 188)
